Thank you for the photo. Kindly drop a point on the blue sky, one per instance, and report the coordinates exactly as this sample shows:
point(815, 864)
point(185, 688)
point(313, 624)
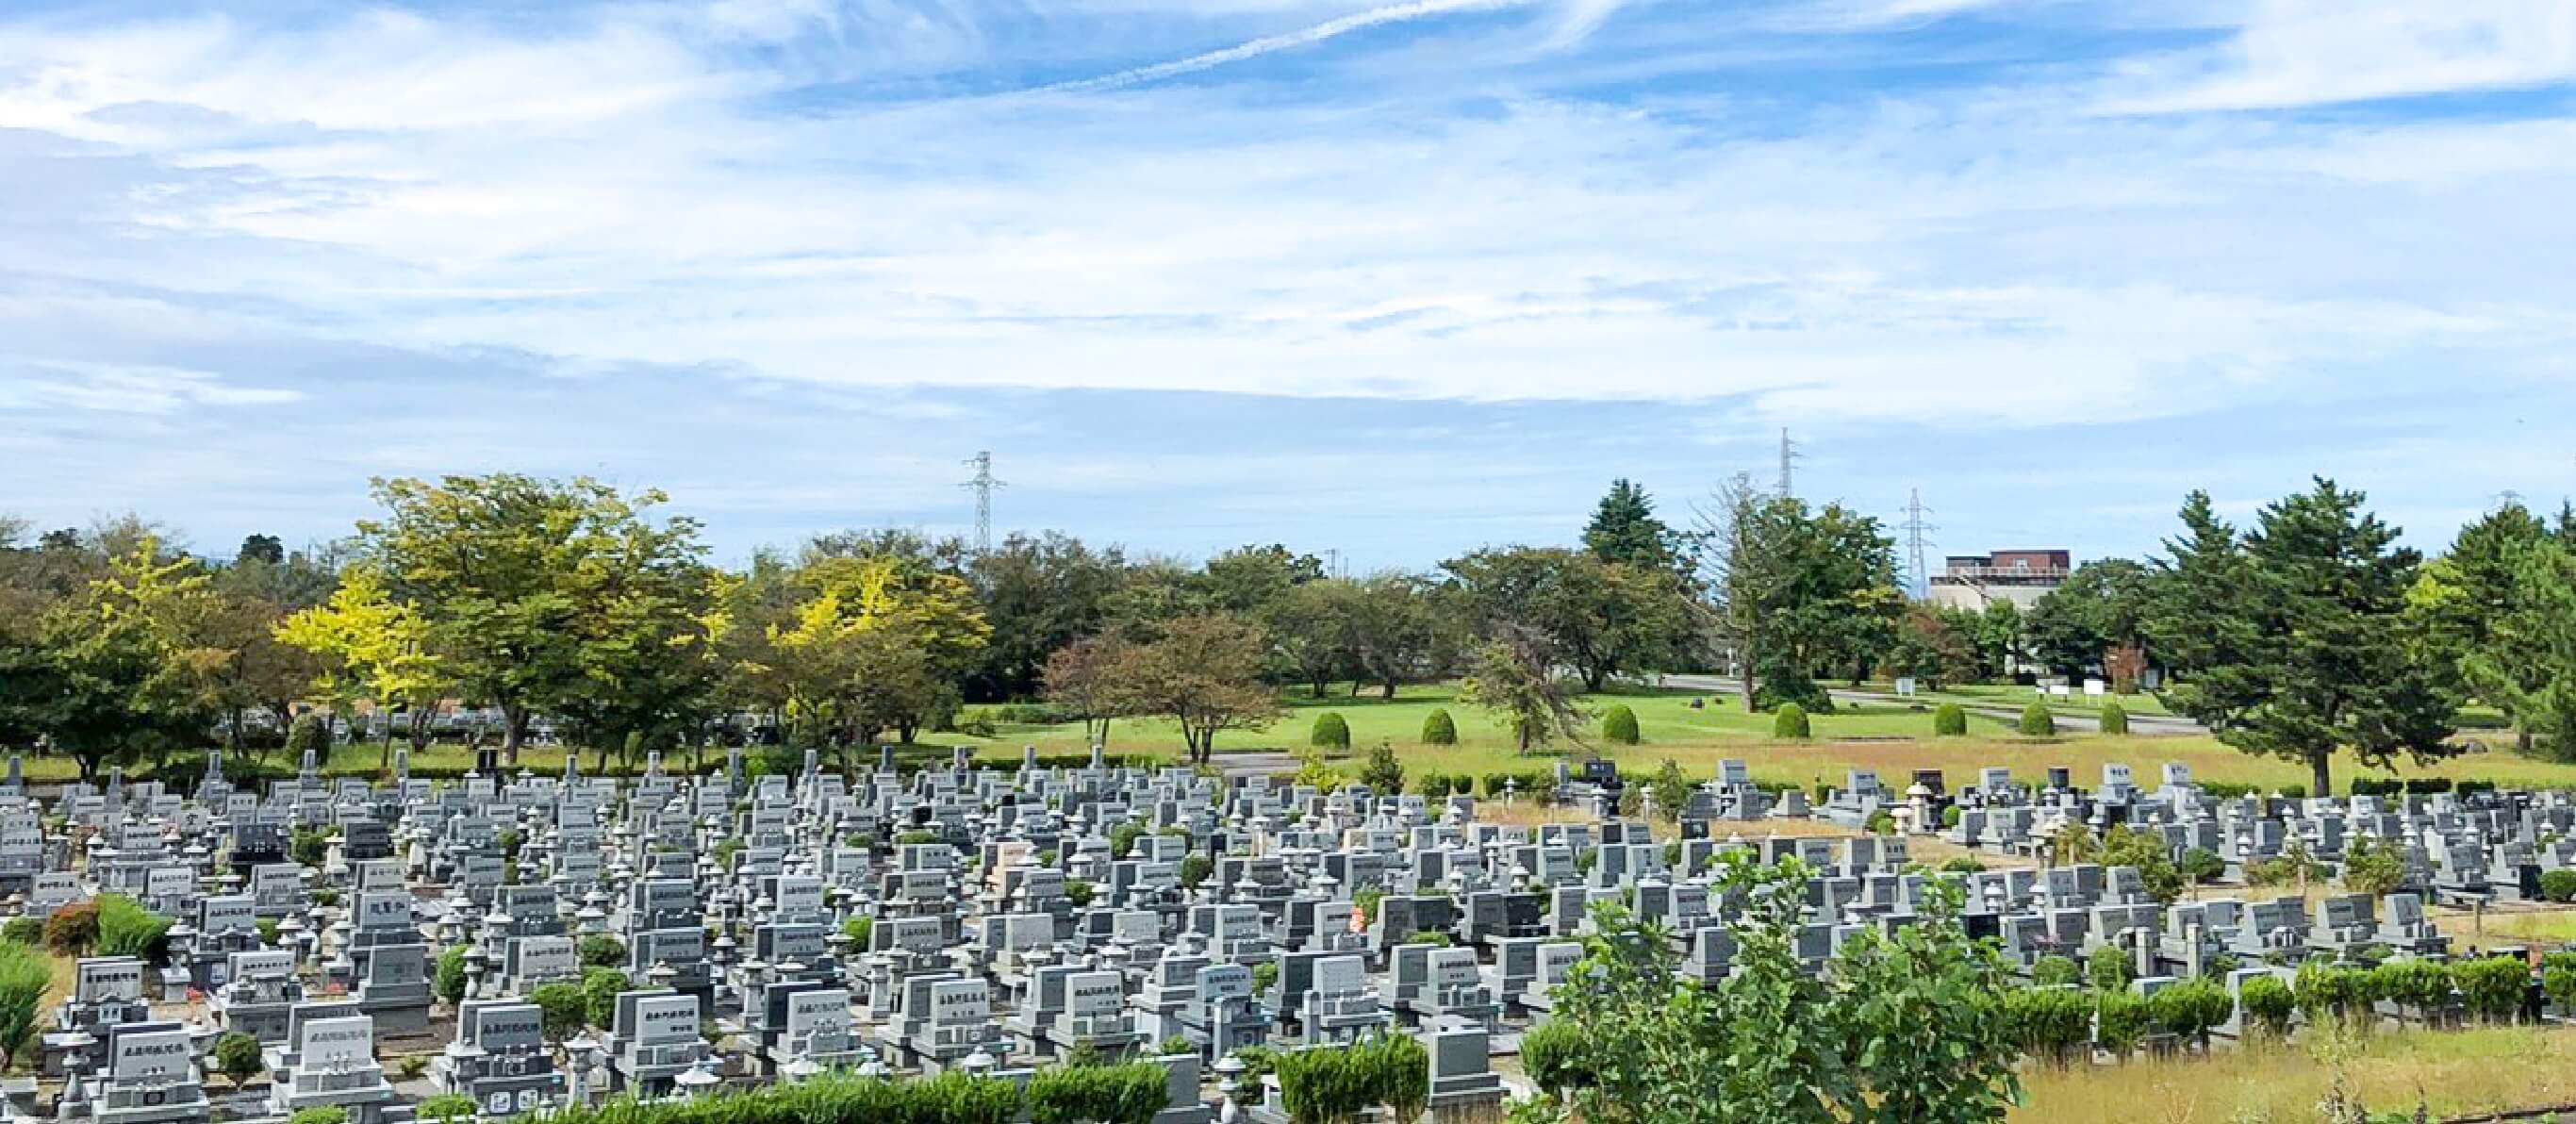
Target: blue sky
point(1395, 279)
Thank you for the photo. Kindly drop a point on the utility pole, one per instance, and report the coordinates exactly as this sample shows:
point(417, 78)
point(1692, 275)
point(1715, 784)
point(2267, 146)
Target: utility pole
point(1333, 562)
point(1788, 454)
point(982, 484)
point(1914, 530)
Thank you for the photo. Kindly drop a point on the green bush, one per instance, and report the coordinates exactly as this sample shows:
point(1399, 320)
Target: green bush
point(2115, 720)
point(2108, 969)
point(2055, 971)
point(1789, 723)
point(236, 1055)
point(445, 1108)
point(2558, 980)
point(2555, 885)
point(24, 975)
point(23, 930)
point(1439, 729)
point(2268, 1005)
point(1880, 822)
point(1950, 720)
point(2191, 1009)
point(2120, 1021)
point(1123, 837)
point(1097, 1094)
point(125, 928)
point(2200, 864)
point(1322, 1086)
point(2050, 1024)
point(599, 988)
point(1383, 773)
point(599, 950)
point(1552, 1055)
point(320, 1114)
point(2324, 989)
point(1195, 868)
point(2492, 987)
point(447, 978)
point(2424, 985)
point(1619, 725)
point(1951, 815)
point(2037, 722)
point(563, 1007)
point(1330, 732)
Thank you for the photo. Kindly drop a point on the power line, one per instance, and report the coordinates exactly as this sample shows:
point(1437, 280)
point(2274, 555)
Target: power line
point(982, 484)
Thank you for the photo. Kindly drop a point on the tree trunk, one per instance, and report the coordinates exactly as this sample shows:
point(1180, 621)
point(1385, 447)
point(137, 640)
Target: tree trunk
point(1387, 690)
point(2321, 774)
point(514, 730)
point(1322, 685)
point(1594, 677)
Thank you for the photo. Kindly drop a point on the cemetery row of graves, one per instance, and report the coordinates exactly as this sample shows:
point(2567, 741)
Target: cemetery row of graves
point(1088, 941)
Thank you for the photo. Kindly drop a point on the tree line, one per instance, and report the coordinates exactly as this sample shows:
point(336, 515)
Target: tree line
point(597, 613)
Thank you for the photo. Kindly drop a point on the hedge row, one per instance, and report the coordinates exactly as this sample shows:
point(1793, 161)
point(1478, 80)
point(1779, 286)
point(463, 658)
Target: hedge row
point(1120, 1094)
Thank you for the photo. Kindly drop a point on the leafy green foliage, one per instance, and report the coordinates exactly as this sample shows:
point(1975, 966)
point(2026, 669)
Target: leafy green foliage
point(1331, 731)
point(2052, 1024)
point(599, 988)
point(1334, 1086)
point(73, 929)
point(2558, 980)
point(600, 950)
point(125, 928)
point(2558, 885)
point(1438, 728)
point(236, 1055)
point(2115, 718)
point(2120, 1022)
point(446, 1108)
point(2053, 970)
point(2372, 867)
point(1904, 1026)
point(447, 979)
point(2492, 987)
point(2190, 1009)
point(2325, 989)
point(323, 1114)
point(24, 976)
point(1382, 772)
point(1097, 1094)
point(1950, 720)
point(1552, 1053)
point(2268, 1003)
point(1619, 725)
point(2296, 639)
point(1789, 723)
point(1123, 837)
point(23, 930)
point(2037, 722)
point(2202, 865)
point(1195, 869)
point(2108, 969)
point(565, 1009)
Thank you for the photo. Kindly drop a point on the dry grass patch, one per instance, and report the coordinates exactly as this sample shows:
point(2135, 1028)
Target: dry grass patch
point(2461, 1073)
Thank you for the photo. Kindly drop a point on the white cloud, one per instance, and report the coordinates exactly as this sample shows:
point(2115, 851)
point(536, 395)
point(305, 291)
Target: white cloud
point(2320, 52)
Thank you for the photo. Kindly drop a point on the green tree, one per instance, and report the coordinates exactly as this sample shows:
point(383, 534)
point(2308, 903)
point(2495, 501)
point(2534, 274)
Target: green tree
point(1040, 593)
point(1796, 593)
point(526, 587)
point(1624, 530)
point(1383, 773)
point(564, 1008)
point(1949, 720)
point(2037, 722)
point(2475, 608)
point(1331, 731)
point(2100, 607)
point(1599, 618)
point(2293, 641)
point(1309, 625)
point(1519, 686)
point(1205, 674)
point(1789, 723)
point(1402, 629)
point(447, 981)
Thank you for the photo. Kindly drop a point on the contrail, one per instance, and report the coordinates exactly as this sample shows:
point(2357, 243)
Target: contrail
point(1307, 37)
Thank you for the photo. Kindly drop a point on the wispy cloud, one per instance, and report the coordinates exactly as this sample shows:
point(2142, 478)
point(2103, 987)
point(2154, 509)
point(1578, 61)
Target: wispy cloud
point(2320, 52)
point(1303, 37)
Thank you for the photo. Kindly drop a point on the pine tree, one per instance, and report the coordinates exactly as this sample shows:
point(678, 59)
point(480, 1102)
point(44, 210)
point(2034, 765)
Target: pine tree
point(1624, 529)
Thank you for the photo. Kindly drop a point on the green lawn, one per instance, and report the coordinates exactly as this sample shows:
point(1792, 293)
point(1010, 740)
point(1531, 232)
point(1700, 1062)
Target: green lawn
point(2016, 697)
point(1891, 739)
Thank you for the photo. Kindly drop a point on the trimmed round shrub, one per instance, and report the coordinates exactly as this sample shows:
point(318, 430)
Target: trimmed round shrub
point(1439, 729)
point(2200, 864)
point(1619, 725)
point(2268, 1003)
point(1950, 720)
point(2558, 980)
point(2115, 720)
point(1951, 815)
point(2555, 885)
point(1330, 732)
point(2037, 722)
point(1789, 723)
point(2053, 970)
